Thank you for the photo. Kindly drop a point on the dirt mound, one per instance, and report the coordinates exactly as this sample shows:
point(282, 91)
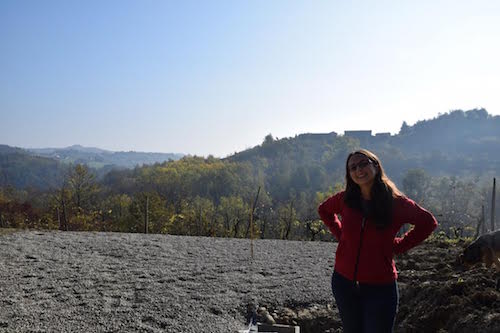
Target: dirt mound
point(438, 294)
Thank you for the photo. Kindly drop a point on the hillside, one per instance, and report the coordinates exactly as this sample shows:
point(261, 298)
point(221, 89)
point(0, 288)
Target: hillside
point(470, 133)
point(212, 197)
point(99, 158)
point(20, 169)
point(456, 143)
point(47, 167)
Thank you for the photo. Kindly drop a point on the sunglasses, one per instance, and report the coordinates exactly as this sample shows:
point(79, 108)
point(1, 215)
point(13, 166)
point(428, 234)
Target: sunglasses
point(361, 165)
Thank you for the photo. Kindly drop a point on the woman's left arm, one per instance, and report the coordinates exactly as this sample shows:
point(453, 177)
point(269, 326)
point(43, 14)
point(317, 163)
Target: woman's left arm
point(423, 222)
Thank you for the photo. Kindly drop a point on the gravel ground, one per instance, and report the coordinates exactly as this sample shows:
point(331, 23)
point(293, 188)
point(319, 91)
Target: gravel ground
point(112, 282)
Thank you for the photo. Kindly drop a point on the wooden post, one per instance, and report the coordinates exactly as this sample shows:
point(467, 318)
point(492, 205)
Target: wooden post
point(146, 217)
point(493, 205)
point(253, 305)
point(251, 222)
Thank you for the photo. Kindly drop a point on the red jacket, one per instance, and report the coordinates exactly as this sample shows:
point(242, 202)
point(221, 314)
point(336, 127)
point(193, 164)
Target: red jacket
point(376, 263)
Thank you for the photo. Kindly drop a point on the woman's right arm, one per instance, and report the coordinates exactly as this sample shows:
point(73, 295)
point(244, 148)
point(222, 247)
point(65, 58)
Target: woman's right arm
point(328, 211)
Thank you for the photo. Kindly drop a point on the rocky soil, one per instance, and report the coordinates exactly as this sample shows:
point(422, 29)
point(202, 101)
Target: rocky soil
point(112, 282)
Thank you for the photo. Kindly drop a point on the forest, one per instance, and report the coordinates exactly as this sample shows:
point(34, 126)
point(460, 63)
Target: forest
point(446, 164)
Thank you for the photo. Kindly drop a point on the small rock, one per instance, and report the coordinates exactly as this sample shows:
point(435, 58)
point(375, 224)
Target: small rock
point(304, 314)
point(265, 317)
point(216, 311)
point(287, 312)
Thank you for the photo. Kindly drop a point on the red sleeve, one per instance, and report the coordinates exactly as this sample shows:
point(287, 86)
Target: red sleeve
point(328, 210)
point(423, 222)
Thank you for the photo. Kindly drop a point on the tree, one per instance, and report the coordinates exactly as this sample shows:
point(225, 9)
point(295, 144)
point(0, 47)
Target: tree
point(416, 184)
point(200, 218)
point(288, 219)
point(159, 213)
point(82, 186)
point(457, 204)
point(232, 213)
point(116, 210)
point(268, 139)
point(315, 228)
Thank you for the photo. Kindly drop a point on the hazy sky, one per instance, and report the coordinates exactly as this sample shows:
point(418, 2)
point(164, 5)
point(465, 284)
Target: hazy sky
point(215, 77)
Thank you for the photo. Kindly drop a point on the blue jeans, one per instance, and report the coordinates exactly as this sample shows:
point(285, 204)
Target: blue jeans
point(365, 308)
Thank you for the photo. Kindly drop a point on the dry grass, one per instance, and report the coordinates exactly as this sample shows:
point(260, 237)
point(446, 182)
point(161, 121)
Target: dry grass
point(6, 231)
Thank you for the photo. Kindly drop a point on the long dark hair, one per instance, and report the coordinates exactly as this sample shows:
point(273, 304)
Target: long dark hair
point(383, 191)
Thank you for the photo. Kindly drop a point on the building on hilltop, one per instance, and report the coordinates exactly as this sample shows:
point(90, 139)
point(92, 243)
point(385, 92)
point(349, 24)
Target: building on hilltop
point(360, 135)
point(317, 135)
point(384, 135)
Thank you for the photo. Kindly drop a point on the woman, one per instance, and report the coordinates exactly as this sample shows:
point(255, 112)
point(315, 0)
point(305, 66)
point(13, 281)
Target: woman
point(372, 211)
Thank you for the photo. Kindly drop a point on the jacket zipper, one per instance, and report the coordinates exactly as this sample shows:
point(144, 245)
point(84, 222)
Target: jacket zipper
point(363, 222)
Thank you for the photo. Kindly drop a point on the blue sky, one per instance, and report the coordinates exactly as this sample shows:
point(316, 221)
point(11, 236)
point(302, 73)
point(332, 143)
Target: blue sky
point(215, 77)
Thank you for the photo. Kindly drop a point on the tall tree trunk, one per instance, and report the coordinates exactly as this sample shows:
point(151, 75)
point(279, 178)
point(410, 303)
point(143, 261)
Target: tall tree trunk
point(65, 216)
point(288, 222)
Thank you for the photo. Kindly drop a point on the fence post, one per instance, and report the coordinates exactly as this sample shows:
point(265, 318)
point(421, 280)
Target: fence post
point(58, 218)
point(493, 205)
point(146, 217)
point(251, 221)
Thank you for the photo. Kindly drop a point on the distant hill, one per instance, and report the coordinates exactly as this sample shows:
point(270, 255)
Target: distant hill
point(20, 169)
point(472, 132)
point(457, 143)
point(100, 158)
point(46, 167)
point(4, 149)
point(447, 163)
point(460, 143)
point(91, 150)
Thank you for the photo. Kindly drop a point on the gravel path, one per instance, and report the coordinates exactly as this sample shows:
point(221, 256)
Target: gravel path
point(112, 282)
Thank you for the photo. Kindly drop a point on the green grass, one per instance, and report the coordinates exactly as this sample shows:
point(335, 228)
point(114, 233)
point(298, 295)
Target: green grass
point(441, 237)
